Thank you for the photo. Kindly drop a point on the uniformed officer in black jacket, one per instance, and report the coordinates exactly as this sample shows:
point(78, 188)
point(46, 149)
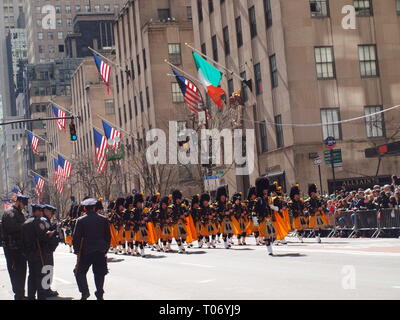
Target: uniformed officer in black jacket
point(91, 240)
point(54, 240)
point(12, 222)
point(36, 239)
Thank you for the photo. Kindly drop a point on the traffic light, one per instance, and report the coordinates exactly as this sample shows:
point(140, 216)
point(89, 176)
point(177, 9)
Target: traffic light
point(72, 131)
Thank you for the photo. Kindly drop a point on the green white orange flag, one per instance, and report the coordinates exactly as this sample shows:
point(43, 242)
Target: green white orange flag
point(211, 78)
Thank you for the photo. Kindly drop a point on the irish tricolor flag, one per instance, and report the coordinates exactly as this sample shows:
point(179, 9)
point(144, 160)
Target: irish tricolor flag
point(211, 78)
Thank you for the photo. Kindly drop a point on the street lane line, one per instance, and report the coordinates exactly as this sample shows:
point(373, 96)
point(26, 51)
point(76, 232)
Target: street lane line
point(62, 280)
point(206, 281)
point(197, 265)
point(361, 253)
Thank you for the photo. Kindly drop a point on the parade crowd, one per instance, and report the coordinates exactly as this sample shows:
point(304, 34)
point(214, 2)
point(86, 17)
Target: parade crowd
point(137, 223)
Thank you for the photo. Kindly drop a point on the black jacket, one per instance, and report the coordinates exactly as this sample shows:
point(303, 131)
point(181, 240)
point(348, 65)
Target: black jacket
point(35, 238)
point(12, 222)
point(92, 234)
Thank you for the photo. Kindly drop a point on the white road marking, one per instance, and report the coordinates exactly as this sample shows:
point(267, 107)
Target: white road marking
point(197, 265)
point(206, 281)
point(62, 280)
point(361, 253)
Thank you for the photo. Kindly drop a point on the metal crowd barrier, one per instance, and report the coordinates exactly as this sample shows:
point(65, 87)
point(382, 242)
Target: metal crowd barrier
point(388, 219)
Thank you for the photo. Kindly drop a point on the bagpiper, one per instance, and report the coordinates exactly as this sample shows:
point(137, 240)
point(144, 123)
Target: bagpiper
point(207, 219)
point(264, 213)
point(315, 209)
point(165, 220)
point(296, 205)
point(178, 210)
point(223, 208)
point(128, 225)
point(117, 229)
point(251, 209)
point(195, 212)
point(141, 235)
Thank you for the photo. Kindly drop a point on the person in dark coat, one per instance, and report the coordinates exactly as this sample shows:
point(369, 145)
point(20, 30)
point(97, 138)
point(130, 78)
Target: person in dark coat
point(35, 243)
point(12, 222)
point(91, 241)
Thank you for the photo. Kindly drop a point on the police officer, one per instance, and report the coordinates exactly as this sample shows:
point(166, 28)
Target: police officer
point(12, 222)
point(35, 241)
point(54, 240)
point(91, 240)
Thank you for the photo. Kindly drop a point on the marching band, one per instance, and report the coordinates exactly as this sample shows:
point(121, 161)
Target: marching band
point(137, 223)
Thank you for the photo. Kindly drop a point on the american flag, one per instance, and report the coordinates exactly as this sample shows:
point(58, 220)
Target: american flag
point(39, 184)
point(61, 123)
point(104, 70)
point(65, 166)
point(111, 134)
point(59, 177)
point(190, 92)
point(34, 142)
point(100, 142)
point(55, 173)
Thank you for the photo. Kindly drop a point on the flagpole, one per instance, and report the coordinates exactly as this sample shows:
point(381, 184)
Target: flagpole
point(113, 125)
point(183, 72)
point(215, 62)
point(45, 179)
point(39, 137)
point(105, 58)
point(61, 107)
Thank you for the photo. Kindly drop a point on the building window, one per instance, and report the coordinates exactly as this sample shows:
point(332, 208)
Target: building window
point(144, 59)
point(210, 6)
point(230, 87)
point(141, 101)
point(78, 8)
point(214, 47)
point(189, 13)
point(263, 136)
point(130, 109)
point(319, 8)
point(200, 10)
point(135, 105)
point(107, 8)
point(67, 9)
point(374, 122)
point(239, 32)
point(163, 14)
point(253, 22)
point(177, 96)
point(138, 64)
point(324, 62)
point(174, 52)
point(60, 35)
point(147, 97)
point(398, 7)
point(363, 8)
point(279, 132)
point(40, 35)
point(268, 13)
point(227, 46)
point(274, 71)
point(244, 87)
point(50, 36)
point(368, 60)
point(204, 49)
point(258, 78)
point(109, 106)
point(330, 127)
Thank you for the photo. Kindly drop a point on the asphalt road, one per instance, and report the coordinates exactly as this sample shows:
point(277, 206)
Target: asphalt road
point(335, 269)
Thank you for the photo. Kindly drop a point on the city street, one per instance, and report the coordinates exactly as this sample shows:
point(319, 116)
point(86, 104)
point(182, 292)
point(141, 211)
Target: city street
point(336, 269)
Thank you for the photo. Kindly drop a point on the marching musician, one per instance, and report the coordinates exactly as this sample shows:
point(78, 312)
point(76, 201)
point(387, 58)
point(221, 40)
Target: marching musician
point(240, 214)
point(315, 209)
point(251, 209)
point(264, 213)
point(297, 209)
point(178, 210)
point(165, 220)
point(223, 208)
point(141, 235)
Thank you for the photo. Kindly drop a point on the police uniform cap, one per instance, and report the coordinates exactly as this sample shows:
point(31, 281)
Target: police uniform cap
point(89, 202)
point(37, 206)
point(50, 207)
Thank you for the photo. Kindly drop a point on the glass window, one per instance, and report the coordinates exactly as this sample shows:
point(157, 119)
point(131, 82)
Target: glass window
point(330, 128)
point(274, 71)
point(174, 52)
point(368, 60)
point(253, 22)
point(211, 6)
point(263, 136)
point(200, 10)
point(239, 33)
point(163, 14)
point(319, 8)
point(60, 35)
point(227, 46)
point(189, 13)
point(363, 8)
point(374, 122)
point(214, 47)
point(398, 7)
point(177, 96)
point(268, 13)
point(279, 132)
point(258, 78)
point(324, 62)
